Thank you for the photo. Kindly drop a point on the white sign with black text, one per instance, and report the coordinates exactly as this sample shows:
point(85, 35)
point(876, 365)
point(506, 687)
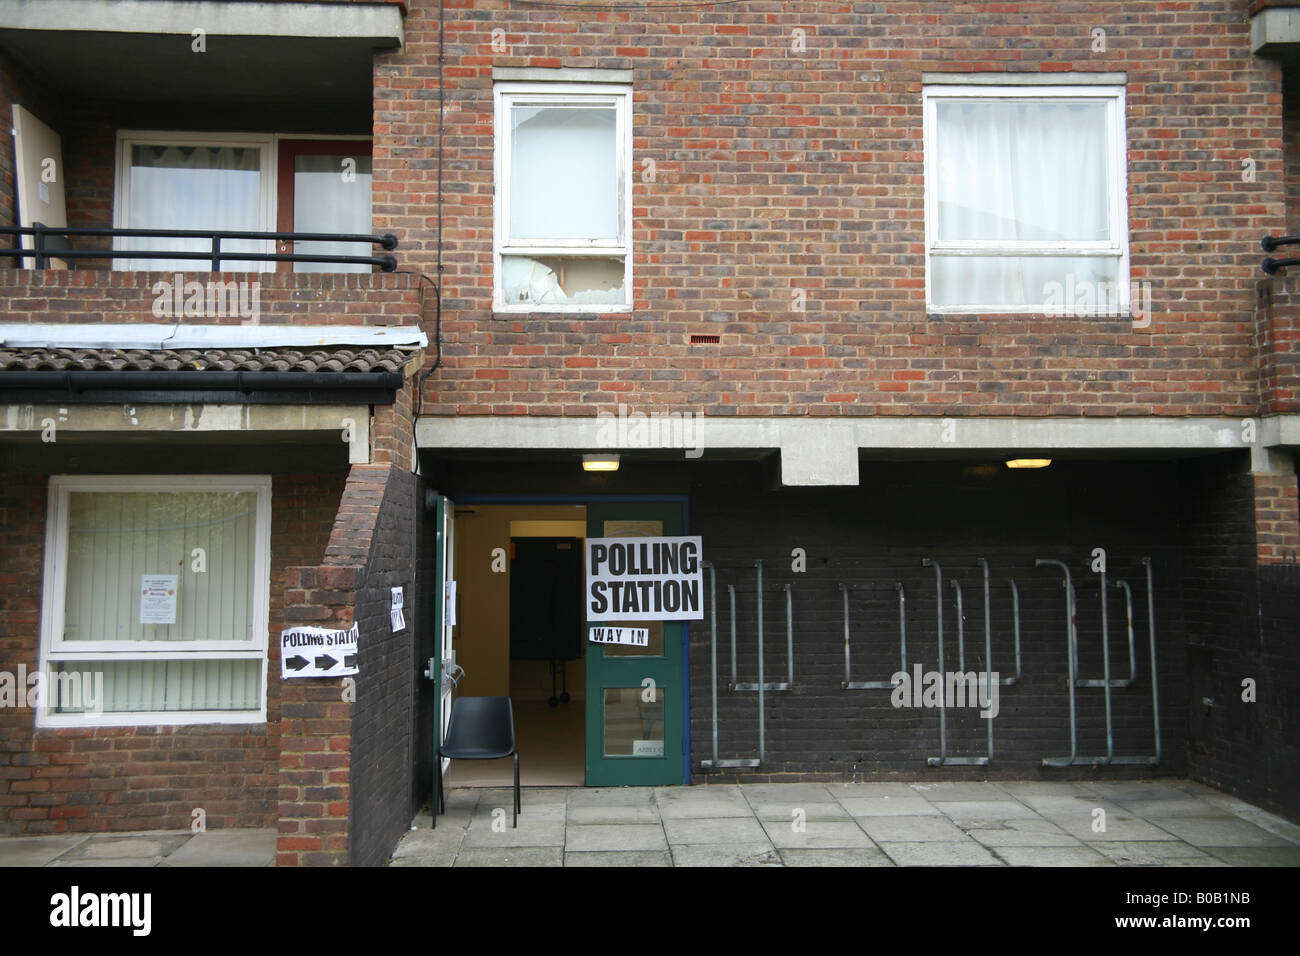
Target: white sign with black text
point(629, 636)
point(318, 652)
point(644, 579)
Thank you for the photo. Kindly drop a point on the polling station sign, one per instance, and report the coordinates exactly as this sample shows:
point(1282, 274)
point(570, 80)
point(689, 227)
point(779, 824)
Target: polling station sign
point(644, 579)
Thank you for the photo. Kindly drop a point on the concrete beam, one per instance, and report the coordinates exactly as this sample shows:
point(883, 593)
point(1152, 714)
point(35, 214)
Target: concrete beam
point(1273, 27)
point(185, 336)
point(73, 423)
point(820, 451)
point(380, 23)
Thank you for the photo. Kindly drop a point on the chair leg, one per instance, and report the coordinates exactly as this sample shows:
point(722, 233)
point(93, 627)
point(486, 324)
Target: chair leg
point(516, 820)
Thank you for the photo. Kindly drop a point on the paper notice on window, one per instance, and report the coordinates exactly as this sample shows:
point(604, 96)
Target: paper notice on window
point(158, 599)
point(395, 611)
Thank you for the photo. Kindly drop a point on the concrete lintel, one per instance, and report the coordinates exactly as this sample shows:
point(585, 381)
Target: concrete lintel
point(1271, 461)
point(1025, 79)
point(379, 23)
point(564, 74)
point(351, 423)
point(1274, 26)
point(823, 455)
point(150, 335)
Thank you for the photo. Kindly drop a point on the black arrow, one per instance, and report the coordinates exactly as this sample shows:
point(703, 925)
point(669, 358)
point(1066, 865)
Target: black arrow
point(296, 663)
point(325, 662)
point(350, 661)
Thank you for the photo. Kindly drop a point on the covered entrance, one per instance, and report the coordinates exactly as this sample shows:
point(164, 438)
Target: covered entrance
point(513, 623)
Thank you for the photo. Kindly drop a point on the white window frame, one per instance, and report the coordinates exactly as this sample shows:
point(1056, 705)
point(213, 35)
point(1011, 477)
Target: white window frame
point(1116, 246)
point(509, 94)
point(268, 145)
point(54, 649)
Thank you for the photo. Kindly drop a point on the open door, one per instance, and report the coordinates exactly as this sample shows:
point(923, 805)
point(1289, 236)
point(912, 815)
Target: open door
point(443, 669)
point(636, 695)
point(38, 172)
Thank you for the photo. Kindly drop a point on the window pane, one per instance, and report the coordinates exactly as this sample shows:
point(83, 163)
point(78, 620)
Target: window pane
point(563, 173)
point(1022, 170)
point(559, 280)
point(119, 540)
point(194, 187)
point(138, 686)
point(633, 727)
point(327, 197)
point(1079, 284)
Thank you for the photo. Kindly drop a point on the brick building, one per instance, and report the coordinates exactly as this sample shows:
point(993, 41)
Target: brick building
point(810, 274)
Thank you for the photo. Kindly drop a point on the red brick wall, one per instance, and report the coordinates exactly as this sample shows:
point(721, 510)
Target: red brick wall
point(776, 170)
point(139, 778)
point(52, 296)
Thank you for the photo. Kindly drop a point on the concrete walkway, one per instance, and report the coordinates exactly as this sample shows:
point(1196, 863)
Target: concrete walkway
point(1146, 823)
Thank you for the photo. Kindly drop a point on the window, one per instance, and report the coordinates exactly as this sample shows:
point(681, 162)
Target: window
point(1025, 199)
point(242, 183)
point(155, 606)
point(563, 238)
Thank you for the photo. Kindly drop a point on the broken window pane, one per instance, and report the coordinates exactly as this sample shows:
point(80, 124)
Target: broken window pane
point(563, 173)
point(562, 280)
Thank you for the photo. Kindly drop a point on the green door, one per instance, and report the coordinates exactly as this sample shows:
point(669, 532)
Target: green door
point(635, 695)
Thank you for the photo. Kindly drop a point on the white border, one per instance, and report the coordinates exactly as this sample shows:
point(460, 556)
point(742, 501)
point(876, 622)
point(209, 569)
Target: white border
point(52, 647)
point(1116, 247)
point(507, 94)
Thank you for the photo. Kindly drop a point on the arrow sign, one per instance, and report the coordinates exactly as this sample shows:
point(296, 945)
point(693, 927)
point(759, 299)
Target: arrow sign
point(317, 652)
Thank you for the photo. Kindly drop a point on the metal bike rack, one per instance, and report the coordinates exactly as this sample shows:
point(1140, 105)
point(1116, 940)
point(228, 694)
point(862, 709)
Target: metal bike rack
point(943, 760)
point(1106, 683)
point(848, 684)
point(789, 645)
point(715, 763)
point(1015, 616)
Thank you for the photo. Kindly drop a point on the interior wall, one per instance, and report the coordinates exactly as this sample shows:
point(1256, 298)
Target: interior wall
point(482, 639)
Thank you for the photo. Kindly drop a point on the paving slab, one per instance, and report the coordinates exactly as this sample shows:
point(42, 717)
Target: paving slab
point(481, 834)
point(624, 836)
point(684, 803)
point(795, 794)
point(612, 797)
point(611, 815)
point(1120, 826)
point(37, 851)
point(1052, 856)
point(721, 830)
point(858, 857)
point(615, 858)
point(859, 790)
point(1176, 853)
point(785, 810)
point(969, 853)
point(120, 861)
point(1219, 831)
point(124, 847)
point(251, 847)
point(889, 806)
point(1257, 855)
point(511, 856)
point(946, 791)
point(816, 834)
point(1024, 832)
point(925, 829)
point(728, 854)
point(974, 813)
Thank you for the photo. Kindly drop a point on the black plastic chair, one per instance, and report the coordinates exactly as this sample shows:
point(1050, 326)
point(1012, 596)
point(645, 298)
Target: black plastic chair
point(480, 728)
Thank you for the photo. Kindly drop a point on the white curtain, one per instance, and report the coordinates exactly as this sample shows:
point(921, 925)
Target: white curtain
point(563, 173)
point(328, 198)
point(195, 187)
point(117, 538)
point(1019, 170)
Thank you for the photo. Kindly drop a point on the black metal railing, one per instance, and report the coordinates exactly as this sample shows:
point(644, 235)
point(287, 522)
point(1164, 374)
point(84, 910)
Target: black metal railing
point(1270, 243)
point(52, 242)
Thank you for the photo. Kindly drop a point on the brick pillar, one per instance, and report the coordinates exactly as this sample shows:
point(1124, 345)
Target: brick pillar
point(315, 728)
point(1277, 507)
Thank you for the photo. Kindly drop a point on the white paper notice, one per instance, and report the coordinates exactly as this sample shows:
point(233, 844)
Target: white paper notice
point(449, 603)
point(158, 599)
point(395, 612)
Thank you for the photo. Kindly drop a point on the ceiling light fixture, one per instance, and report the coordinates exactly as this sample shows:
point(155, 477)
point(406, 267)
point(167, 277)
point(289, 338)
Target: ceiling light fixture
point(600, 462)
point(1029, 462)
